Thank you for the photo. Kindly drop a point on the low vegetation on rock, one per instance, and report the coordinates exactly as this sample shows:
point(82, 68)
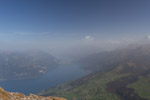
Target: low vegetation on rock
point(4, 95)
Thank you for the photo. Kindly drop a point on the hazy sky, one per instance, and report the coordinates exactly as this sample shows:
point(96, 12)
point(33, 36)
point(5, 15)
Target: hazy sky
point(57, 22)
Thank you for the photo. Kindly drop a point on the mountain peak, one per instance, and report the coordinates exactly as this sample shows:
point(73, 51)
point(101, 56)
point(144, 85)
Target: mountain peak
point(4, 95)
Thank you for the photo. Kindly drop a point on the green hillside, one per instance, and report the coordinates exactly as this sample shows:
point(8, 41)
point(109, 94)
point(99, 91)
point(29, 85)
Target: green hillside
point(102, 86)
point(127, 79)
point(94, 88)
point(142, 86)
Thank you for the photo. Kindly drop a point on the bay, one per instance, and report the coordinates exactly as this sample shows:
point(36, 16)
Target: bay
point(52, 78)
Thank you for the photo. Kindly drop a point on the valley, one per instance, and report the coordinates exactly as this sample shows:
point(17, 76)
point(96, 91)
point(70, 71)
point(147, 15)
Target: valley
point(126, 78)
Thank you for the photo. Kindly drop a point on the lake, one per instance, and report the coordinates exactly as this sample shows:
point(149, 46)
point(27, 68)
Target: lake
point(57, 76)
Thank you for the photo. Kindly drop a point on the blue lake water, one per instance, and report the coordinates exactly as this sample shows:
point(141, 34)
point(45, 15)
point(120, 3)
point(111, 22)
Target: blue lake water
point(57, 76)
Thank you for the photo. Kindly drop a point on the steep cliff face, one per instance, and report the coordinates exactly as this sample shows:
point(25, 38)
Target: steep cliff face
point(4, 95)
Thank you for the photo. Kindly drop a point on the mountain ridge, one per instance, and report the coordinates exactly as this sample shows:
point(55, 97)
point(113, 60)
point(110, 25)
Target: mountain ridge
point(4, 95)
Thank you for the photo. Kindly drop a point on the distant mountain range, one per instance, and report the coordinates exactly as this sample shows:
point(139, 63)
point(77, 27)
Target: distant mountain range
point(122, 74)
point(25, 65)
point(105, 60)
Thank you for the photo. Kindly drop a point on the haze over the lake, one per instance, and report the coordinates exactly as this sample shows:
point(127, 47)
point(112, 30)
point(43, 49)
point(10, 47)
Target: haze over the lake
point(63, 27)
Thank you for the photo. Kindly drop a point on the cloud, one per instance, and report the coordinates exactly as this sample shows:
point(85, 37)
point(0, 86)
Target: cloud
point(88, 37)
point(113, 42)
point(148, 37)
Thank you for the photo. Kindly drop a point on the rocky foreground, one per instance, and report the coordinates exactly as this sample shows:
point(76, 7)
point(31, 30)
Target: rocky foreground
point(4, 95)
